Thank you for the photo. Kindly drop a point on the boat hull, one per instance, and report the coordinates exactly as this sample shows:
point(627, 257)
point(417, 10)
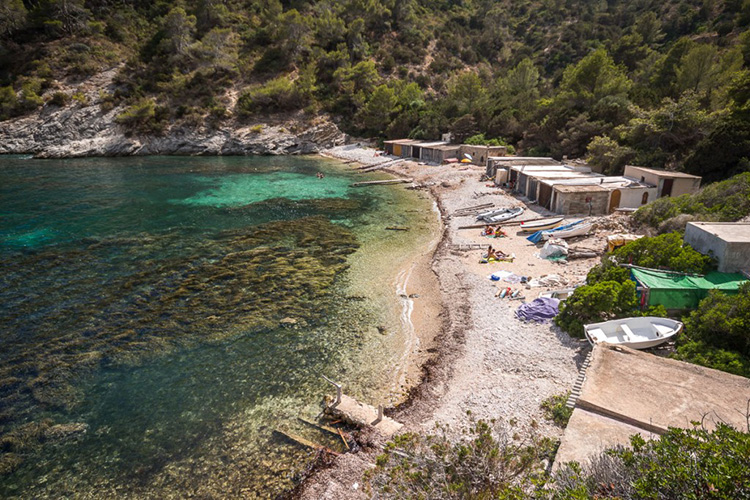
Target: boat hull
point(541, 224)
point(568, 233)
point(496, 216)
point(636, 333)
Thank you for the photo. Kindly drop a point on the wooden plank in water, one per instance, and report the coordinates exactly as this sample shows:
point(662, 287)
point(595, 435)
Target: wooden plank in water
point(376, 183)
point(320, 427)
point(299, 440)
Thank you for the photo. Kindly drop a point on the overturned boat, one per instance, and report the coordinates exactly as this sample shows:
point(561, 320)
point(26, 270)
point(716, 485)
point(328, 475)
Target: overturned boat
point(495, 216)
point(636, 333)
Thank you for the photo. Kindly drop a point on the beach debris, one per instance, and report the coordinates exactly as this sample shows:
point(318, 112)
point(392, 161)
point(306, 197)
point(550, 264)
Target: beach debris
point(540, 310)
point(396, 228)
point(548, 281)
point(617, 240)
point(554, 248)
point(379, 183)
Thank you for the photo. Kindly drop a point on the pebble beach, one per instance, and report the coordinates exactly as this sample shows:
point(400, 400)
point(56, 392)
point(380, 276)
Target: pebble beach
point(483, 360)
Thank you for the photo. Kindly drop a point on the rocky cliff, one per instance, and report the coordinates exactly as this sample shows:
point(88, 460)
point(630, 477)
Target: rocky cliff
point(83, 129)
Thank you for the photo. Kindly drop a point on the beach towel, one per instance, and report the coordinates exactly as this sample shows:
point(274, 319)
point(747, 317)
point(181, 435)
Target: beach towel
point(542, 310)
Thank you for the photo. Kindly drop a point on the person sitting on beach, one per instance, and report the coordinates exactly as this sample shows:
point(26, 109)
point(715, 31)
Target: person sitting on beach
point(488, 231)
point(491, 253)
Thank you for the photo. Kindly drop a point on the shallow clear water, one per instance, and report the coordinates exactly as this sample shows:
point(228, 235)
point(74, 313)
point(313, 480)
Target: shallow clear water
point(141, 299)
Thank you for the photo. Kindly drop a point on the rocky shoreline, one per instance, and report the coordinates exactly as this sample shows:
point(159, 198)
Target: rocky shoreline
point(83, 128)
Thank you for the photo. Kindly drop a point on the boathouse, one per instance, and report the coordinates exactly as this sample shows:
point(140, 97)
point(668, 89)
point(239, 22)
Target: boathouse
point(727, 242)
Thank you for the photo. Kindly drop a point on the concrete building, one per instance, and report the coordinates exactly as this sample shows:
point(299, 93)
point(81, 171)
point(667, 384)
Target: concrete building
point(399, 147)
point(667, 183)
point(438, 154)
point(495, 162)
point(573, 196)
point(481, 154)
point(727, 242)
point(626, 392)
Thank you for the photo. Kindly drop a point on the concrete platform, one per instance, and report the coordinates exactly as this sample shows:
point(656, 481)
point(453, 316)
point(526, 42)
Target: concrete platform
point(629, 392)
point(362, 414)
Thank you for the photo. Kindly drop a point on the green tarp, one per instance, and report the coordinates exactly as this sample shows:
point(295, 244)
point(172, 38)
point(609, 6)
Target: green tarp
point(679, 291)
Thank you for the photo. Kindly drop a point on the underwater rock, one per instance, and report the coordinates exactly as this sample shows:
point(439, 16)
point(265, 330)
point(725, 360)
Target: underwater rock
point(65, 432)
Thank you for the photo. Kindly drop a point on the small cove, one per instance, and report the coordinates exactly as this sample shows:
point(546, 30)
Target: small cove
point(142, 298)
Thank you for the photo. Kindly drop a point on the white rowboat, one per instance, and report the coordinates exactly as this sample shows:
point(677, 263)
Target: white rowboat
point(636, 333)
point(495, 216)
point(577, 230)
point(539, 225)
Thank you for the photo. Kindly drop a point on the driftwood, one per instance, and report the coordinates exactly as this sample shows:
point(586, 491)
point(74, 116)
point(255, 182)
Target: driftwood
point(506, 223)
point(377, 183)
point(396, 228)
point(389, 163)
point(582, 255)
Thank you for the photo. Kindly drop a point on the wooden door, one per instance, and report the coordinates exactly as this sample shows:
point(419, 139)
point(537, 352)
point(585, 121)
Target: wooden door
point(614, 200)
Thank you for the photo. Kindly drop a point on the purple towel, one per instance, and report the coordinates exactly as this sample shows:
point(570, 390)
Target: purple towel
point(542, 309)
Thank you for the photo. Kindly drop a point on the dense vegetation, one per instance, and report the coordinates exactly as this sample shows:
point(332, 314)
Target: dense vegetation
point(683, 463)
point(652, 83)
point(609, 292)
point(717, 333)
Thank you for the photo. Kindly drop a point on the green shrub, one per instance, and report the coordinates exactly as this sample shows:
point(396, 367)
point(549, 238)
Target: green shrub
point(717, 333)
point(487, 463)
point(726, 201)
point(556, 410)
point(59, 99)
point(29, 100)
point(144, 116)
point(666, 251)
point(279, 94)
point(704, 354)
point(603, 301)
point(8, 102)
point(683, 463)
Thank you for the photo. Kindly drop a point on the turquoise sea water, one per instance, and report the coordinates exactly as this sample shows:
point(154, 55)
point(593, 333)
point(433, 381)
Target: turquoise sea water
point(142, 349)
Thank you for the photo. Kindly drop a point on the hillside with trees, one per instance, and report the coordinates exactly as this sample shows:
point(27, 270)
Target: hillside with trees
point(660, 84)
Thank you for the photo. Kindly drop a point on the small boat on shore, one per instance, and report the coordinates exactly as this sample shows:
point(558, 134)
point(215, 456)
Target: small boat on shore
point(575, 230)
point(539, 225)
point(561, 294)
point(495, 216)
point(636, 333)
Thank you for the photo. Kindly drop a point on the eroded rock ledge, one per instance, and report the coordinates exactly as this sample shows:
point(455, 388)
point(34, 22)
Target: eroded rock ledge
point(83, 129)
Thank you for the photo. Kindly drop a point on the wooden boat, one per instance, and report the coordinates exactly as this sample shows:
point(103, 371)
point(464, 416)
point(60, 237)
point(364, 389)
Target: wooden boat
point(636, 333)
point(495, 216)
point(539, 225)
point(577, 230)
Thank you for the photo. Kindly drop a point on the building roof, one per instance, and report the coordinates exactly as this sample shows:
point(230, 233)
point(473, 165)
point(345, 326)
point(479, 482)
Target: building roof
point(444, 147)
point(401, 141)
point(430, 144)
point(669, 174)
point(627, 392)
point(580, 188)
point(733, 232)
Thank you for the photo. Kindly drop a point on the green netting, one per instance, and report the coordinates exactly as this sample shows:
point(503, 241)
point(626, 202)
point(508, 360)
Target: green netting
point(679, 291)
